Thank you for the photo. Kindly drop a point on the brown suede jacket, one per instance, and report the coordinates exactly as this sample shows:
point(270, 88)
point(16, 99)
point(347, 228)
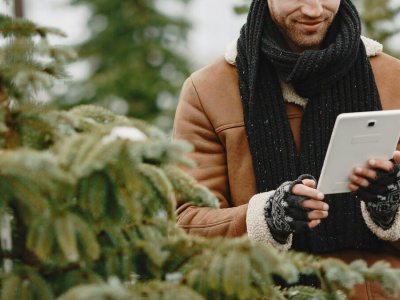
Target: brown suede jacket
point(210, 116)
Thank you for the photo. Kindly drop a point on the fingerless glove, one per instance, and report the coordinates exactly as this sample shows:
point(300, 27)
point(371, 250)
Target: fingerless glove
point(382, 196)
point(284, 213)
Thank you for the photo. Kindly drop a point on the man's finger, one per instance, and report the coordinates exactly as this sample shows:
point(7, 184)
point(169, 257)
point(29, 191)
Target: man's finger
point(353, 187)
point(315, 205)
point(309, 182)
point(359, 180)
point(364, 172)
point(307, 190)
point(314, 223)
point(317, 214)
point(396, 156)
point(382, 164)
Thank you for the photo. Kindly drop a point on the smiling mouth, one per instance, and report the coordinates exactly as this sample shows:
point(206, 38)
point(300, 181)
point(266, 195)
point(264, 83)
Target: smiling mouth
point(310, 26)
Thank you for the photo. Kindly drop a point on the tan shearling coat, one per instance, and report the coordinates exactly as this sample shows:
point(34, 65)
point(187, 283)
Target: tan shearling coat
point(210, 116)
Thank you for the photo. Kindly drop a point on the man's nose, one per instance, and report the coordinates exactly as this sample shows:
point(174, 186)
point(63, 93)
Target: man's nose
point(312, 8)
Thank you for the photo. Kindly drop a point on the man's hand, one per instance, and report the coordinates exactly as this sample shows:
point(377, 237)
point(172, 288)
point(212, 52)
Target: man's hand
point(295, 206)
point(378, 185)
point(314, 201)
point(362, 176)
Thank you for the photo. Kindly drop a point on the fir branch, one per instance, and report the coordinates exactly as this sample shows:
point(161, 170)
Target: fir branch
point(63, 230)
point(121, 205)
point(61, 54)
point(298, 262)
point(94, 155)
point(116, 242)
point(27, 193)
point(181, 251)
point(28, 66)
point(114, 289)
point(188, 190)
point(34, 80)
point(382, 272)
point(100, 291)
point(22, 27)
point(66, 238)
point(114, 237)
point(164, 290)
point(99, 115)
point(306, 293)
point(207, 271)
point(40, 238)
point(32, 178)
point(24, 281)
point(95, 196)
point(337, 275)
point(85, 154)
point(40, 128)
point(165, 199)
point(104, 116)
point(166, 152)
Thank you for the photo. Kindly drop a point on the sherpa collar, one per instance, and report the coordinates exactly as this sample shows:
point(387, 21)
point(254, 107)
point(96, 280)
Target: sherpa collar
point(289, 95)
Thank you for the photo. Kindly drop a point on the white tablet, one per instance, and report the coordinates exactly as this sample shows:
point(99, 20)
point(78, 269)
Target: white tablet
point(356, 138)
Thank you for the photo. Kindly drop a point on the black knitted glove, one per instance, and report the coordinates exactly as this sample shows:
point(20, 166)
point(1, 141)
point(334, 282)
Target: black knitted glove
point(284, 213)
point(382, 196)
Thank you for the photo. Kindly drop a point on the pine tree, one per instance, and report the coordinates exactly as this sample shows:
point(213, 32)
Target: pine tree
point(379, 20)
point(87, 201)
point(136, 57)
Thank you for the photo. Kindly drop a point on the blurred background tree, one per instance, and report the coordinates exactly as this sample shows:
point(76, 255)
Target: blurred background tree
point(134, 44)
point(136, 58)
point(380, 19)
point(381, 22)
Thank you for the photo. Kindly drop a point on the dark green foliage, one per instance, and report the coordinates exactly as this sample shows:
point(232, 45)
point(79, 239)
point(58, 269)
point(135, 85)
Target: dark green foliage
point(27, 65)
point(25, 283)
point(379, 20)
point(96, 197)
point(134, 57)
point(152, 290)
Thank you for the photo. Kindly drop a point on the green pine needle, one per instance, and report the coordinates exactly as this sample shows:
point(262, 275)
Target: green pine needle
point(25, 283)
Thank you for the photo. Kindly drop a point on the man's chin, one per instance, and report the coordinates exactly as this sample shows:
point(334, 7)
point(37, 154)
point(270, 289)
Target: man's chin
point(309, 41)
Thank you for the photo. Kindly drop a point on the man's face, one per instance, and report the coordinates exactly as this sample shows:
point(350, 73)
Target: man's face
point(303, 23)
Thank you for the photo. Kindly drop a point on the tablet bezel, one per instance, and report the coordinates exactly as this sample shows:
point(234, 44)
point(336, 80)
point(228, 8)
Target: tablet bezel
point(353, 143)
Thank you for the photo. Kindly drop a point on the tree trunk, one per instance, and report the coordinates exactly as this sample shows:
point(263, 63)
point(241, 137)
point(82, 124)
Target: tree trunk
point(9, 139)
point(19, 8)
point(3, 94)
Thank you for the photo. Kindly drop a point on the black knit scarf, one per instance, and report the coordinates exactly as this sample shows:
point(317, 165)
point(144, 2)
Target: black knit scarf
point(336, 79)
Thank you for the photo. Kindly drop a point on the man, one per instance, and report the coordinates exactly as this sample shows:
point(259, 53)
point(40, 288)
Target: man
point(260, 120)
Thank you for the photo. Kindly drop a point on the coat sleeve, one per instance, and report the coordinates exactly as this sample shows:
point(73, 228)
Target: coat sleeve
point(386, 73)
point(193, 125)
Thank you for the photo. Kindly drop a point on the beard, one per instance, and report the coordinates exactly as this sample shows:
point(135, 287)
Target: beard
point(298, 38)
point(307, 40)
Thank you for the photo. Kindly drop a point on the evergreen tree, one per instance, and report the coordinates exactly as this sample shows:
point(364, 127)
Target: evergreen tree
point(379, 20)
point(136, 58)
point(87, 201)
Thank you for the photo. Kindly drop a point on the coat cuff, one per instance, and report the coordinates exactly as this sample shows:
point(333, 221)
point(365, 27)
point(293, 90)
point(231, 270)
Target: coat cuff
point(392, 234)
point(257, 227)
